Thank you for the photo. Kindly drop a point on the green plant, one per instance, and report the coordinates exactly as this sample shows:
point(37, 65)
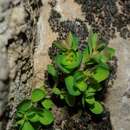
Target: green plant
point(83, 72)
point(34, 111)
point(69, 58)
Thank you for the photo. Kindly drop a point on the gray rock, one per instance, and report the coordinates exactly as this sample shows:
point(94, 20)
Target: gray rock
point(3, 67)
point(118, 100)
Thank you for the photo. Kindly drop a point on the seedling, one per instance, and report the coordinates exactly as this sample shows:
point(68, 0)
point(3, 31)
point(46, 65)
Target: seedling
point(82, 71)
point(36, 110)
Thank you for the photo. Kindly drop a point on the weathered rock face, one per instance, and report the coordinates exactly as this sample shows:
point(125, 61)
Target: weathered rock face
point(25, 36)
point(17, 39)
point(118, 99)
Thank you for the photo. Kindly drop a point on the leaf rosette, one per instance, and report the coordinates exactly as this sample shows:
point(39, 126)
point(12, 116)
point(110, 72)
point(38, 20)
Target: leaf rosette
point(68, 61)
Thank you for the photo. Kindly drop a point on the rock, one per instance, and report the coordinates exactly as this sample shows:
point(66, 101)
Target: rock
point(118, 95)
point(3, 67)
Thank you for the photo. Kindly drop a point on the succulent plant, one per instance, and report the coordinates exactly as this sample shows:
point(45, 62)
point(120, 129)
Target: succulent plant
point(83, 71)
point(28, 113)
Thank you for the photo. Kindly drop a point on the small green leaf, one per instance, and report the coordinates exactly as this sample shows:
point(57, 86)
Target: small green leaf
point(27, 126)
point(34, 118)
point(79, 75)
point(32, 115)
point(101, 46)
point(81, 85)
point(45, 117)
point(37, 95)
point(21, 121)
point(100, 58)
point(97, 108)
point(47, 103)
point(60, 46)
point(73, 41)
point(86, 55)
point(100, 74)
point(70, 100)
point(51, 70)
point(19, 114)
point(58, 63)
point(109, 52)
point(92, 41)
point(24, 106)
point(68, 61)
point(62, 96)
point(91, 89)
point(56, 91)
point(87, 94)
point(90, 100)
point(69, 81)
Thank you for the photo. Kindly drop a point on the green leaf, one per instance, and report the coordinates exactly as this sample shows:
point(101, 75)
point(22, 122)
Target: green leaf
point(68, 61)
point(100, 58)
point(92, 41)
point(58, 63)
point(45, 117)
point(37, 95)
point(81, 85)
point(71, 60)
point(86, 55)
point(79, 75)
point(87, 94)
point(109, 52)
point(100, 74)
point(32, 115)
point(34, 118)
point(70, 100)
point(97, 108)
point(60, 46)
point(91, 89)
point(47, 103)
point(69, 81)
point(90, 100)
point(24, 106)
point(19, 114)
point(51, 70)
point(73, 41)
point(27, 126)
point(56, 91)
point(101, 46)
point(21, 121)
point(62, 96)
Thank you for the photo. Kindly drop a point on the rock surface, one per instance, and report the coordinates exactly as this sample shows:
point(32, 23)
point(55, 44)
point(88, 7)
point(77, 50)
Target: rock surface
point(17, 31)
point(118, 97)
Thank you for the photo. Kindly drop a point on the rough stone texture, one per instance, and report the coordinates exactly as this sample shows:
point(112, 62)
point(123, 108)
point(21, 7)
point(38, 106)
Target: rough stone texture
point(18, 20)
point(118, 98)
point(45, 38)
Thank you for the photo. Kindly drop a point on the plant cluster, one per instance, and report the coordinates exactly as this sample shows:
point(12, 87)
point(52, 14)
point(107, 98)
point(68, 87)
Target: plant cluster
point(77, 75)
point(83, 72)
point(34, 112)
